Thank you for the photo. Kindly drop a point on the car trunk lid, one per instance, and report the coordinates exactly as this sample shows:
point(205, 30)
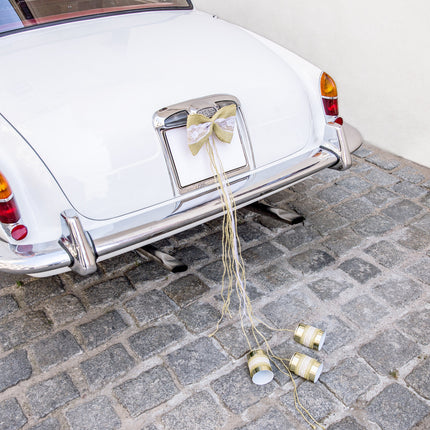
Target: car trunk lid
point(83, 95)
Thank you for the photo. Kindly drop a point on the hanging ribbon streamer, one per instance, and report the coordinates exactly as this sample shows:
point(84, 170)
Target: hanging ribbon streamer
point(207, 132)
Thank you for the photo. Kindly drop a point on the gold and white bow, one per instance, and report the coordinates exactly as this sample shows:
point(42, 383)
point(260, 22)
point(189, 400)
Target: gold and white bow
point(200, 128)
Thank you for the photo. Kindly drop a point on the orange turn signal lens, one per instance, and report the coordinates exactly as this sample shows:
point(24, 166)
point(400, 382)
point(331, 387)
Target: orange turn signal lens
point(5, 191)
point(328, 86)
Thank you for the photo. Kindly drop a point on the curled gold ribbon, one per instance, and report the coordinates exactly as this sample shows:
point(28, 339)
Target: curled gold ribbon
point(200, 128)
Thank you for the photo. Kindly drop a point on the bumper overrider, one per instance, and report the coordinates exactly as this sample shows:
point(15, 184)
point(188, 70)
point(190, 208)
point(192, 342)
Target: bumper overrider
point(79, 250)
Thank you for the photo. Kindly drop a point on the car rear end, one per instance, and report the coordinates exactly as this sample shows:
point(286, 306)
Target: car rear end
point(97, 158)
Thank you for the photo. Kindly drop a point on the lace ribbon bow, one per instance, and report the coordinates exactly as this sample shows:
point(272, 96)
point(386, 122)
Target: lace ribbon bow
point(200, 128)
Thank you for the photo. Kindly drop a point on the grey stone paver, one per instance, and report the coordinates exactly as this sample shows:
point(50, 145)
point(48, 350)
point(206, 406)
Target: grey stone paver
point(377, 176)
point(252, 292)
point(64, 309)
point(334, 194)
point(56, 349)
point(154, 339)
point(9, 280)
point(14, 368)
point(7, 305)
point(37, 291)
point(380, 196)
point(326, 222)
point(150, 306)
point(383, 162)
point(420, 269)
point(423, 222)
point(200, 411)
point(194, 361)
point(417, 325)
point(399, 291)
point(11, 415)
point(349, 380)
point(387, 254)
point(261, 253)
point(107, 366)
point(341, 333)
point(359, 269)
point(97, 414)
point(50, 423)
point(150, 389)
point(213, 271)
point(354, 184)
point(348, 423)
point(288, 309)
point(128, 346)
point(410, 174)
point(248, 233)
point(363, 310)
point(342, 241)
point(237, 391)
point(419, 378)
point(328, 288)
point(46, 396)
point(233, 341)
point(102, 329)
point(273, 420)
point(396, 408)
point(297, 236)
point(402, 211)
point(389, 351)
point(355, 209)
point(106, 292)
point(315, 398)
point(373, 226)
point(23, 329)
point(199, 317)
point(273, 277)
point(186, 289)
point(310, 261)
point(409, 190)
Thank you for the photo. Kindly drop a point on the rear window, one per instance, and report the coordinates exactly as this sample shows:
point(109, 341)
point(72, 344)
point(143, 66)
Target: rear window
point(19, 14)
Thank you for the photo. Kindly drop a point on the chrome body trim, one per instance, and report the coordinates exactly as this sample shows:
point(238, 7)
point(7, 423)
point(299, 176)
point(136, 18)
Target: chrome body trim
point(338, 144)
point(79, 250)
point(175, 116)
point(77, 242)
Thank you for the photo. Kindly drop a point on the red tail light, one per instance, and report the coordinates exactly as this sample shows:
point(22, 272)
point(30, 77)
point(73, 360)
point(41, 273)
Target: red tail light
point(331, 107)
point(9, 213)
point(329, 95)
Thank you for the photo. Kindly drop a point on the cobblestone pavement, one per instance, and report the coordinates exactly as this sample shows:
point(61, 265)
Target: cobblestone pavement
point(128, 347)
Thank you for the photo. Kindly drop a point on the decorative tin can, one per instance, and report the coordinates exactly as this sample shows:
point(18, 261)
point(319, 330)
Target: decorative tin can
point(309, 336)
point(259, 367)
point(306, 367)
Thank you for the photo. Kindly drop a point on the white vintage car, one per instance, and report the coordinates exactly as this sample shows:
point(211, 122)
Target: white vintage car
point(94, 100)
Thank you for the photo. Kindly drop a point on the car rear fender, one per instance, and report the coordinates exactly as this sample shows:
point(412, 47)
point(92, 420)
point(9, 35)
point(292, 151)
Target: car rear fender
point(38, 196)
point(308, 74)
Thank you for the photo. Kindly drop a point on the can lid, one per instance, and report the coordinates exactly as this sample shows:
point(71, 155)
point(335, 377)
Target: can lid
point(321, 342)
point(318, 373)
point(262, 377)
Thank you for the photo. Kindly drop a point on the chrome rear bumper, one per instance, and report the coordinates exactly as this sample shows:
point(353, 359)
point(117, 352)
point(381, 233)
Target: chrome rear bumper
point(79, 250)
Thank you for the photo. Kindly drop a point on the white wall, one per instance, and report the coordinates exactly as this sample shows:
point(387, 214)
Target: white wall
point(377, 51)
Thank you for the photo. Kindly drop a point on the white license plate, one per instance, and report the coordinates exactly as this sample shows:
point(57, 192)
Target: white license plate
point(193, 169)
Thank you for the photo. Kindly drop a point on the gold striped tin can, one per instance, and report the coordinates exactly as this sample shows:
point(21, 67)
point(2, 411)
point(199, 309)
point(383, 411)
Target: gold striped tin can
point(309, 336)
point(306, 367)
point(259, 367)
